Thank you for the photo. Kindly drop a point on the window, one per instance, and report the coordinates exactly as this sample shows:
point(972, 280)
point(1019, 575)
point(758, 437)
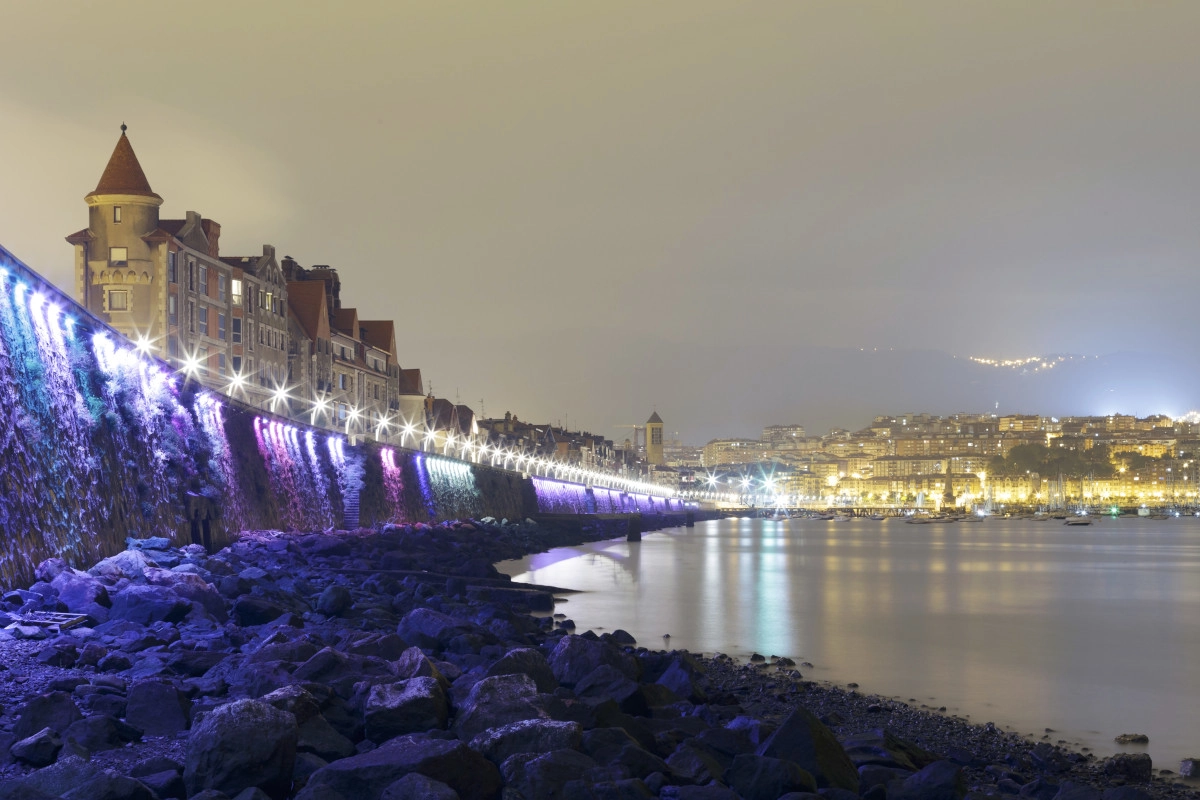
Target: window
point(116, 213)
point(250, 334)
point(237, 363)
point(221, 291)
point(261, 335)
point(220, 326)
point(191, 316)
point(204, 322)
point(172, 268)
point(342, 380)
point(237, 291)
point(377, 391)
point(118, 256)
point(173, 346)
point(260, 298)
point(172, 309)
point(270, 302)
point(204, 280)
point(221, 363)
point(191, 275)
point(341, 412)
point(237, 330)
point(118, 300)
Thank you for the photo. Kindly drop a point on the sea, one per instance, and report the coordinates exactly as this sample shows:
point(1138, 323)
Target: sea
point(1081, 633)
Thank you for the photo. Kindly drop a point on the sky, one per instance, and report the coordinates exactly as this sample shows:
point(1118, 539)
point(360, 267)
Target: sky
point(582, 212)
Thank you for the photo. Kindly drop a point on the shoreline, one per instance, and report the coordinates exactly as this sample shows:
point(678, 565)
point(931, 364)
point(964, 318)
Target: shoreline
point(378, 655)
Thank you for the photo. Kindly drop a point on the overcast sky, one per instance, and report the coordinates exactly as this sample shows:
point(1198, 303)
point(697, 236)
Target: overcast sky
point(569, 206)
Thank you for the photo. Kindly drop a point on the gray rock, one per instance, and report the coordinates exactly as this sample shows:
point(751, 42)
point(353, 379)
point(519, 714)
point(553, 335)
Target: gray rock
point(157, 707)
point(62, 776)
point(542, 777)
point(941, 780)
point(410, 706)
point(497, 701)
point(110, 785)
point(83, 594)
point(190, 587)
point(415, 786)
point(1076, 791)
point(696, 764)
point(1190, 768)
point(295, 700)
point(686, 679)
point(1126, 793)
point(99, 732)
point(449, 761)
point(764, 778)
point(526, 661)
point(1133, 766)
point(54, 710)
point(1132, 738)
point(334, 600)
point(146, 604)
point(168, 783)
point(574, 657)
point(608, 682)
point(528, 736)
point(49, 569)
point(129, 564)
point(883, 748)
point(803, 738)
point(412, 663)
point(39, 749)
point(425, 627)
point(711, 792)
point(320, 738)
point(242, 744)
point(249, 611)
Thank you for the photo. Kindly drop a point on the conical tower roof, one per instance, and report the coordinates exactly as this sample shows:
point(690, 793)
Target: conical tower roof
point(124, 175)
point(654, 418)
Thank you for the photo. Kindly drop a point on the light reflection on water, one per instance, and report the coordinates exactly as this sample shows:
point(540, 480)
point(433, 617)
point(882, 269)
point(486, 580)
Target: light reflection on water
point(1091, 631)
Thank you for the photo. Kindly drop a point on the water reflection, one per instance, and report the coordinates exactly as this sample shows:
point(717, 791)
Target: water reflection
point(1028, 624)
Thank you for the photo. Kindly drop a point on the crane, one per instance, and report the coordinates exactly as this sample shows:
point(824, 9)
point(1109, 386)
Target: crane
point(639, 433)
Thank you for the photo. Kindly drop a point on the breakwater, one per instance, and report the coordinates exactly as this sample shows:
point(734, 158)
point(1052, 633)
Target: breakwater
point(99, 442)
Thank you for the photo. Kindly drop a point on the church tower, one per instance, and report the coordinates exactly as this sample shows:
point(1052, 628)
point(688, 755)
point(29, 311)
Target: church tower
point(654, 440)
point(119, 261)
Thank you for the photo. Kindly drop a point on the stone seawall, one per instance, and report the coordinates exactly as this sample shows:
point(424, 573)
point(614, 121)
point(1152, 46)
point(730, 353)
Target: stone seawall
point(100, 443)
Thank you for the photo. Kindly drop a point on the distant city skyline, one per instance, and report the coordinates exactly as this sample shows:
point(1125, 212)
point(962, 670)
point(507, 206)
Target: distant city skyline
point(588, 212)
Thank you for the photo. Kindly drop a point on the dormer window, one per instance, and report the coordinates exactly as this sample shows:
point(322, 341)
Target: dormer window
point(118, 256)
point(116, 213)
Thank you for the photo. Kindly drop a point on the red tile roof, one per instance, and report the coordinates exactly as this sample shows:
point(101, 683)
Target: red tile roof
point(380, 334)
point(124, 175)
point(306, 299)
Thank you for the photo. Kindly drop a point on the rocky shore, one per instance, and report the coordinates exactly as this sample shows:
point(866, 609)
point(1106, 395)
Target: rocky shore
point(401, 664)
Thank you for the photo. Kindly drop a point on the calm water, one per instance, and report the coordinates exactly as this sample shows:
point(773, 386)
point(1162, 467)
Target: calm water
point(1092, 631)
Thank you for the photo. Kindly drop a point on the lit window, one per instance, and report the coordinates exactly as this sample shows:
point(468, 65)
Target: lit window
point(118, 256)
point(116, 213)
point(237, 291)
point(118, 300)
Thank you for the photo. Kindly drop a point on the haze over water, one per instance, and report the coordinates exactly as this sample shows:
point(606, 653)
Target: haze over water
point(1092, 631)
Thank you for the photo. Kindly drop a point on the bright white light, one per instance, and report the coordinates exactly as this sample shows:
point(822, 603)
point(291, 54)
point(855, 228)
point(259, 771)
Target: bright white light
point(142, 344)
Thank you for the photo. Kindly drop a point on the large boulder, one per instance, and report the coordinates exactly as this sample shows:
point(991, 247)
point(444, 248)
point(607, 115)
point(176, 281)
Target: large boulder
point(38, 750)
point(803, 738)
point(111, 785)
point(54, 710)
point(145, 604)
point(83, 594)
point(575, 657)
point(764, 778)
point(526, 661)
point(941, 780)
point(366, 776)
point(427, 628)
point(129, 564)
point(412, 663)
point(100, 732)
point(190, 587)
point(249, 611)
point(1131, 766)
point(243, 744)
point(544, 775)
point(497, 701)
point(335, 600)
point(527, 736)
point(157, 707)
point(411, 706)
point(414, 785)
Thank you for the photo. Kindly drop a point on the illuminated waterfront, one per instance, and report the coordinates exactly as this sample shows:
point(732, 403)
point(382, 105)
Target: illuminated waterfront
point(1089, 631)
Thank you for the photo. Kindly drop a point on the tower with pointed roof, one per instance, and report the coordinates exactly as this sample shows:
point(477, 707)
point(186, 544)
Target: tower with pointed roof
point(165, 284)
point(114, 264)
point(654, 440)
